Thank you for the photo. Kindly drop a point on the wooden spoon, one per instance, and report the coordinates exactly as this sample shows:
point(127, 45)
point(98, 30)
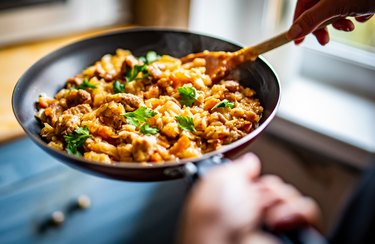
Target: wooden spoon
point(219, 64)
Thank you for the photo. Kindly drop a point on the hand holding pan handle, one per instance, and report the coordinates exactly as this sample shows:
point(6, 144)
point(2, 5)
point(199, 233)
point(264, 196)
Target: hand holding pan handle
point(304, 235)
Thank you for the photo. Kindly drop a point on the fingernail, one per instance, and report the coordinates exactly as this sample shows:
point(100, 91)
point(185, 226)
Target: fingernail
point(295, 31)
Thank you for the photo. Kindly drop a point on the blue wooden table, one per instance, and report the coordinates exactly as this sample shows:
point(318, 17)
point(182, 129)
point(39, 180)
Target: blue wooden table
point(34, 185)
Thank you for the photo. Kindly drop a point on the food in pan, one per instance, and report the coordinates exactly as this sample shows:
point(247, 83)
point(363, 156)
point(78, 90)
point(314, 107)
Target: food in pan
point(146, 109)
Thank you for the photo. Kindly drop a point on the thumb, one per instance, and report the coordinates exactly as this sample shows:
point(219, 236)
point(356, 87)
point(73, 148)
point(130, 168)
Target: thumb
point(248, 164)
point(310, 20)
point(246, 167)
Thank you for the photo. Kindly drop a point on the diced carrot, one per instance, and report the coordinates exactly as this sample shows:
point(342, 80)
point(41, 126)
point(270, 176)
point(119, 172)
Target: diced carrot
point(104, 132)
point(209, 104)
point(48, 112)
point(43, 103)
point(182, 143)
point(155, 157)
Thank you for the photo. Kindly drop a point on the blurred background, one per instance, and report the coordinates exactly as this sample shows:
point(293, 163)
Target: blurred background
point(321, 140)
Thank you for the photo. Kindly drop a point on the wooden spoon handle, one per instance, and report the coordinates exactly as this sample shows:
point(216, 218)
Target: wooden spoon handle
point(252, 52)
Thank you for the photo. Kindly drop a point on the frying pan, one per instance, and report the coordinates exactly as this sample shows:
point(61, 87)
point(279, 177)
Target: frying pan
point(49, 74)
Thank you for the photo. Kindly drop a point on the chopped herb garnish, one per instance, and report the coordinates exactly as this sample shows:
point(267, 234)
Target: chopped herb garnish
point(224, 104)
point(151, 56)
point(139, 116)
point(188, 95)
point(186, 123)
point(86, 84)
point(74, 141)
point(142, 59)
point(147, 130)
point(118, 87)
point(132, 73)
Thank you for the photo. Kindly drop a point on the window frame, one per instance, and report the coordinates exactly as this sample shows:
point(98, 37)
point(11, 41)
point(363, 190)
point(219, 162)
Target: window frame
point(339, 64)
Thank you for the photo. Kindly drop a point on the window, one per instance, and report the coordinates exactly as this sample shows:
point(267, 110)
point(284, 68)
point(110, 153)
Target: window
point(363, 37)
point(330, 89)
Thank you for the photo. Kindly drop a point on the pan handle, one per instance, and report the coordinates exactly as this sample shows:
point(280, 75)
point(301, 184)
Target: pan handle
point(304, 235)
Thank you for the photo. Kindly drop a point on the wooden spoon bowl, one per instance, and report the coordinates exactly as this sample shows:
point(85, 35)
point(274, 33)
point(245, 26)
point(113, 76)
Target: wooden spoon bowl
point(219, 64)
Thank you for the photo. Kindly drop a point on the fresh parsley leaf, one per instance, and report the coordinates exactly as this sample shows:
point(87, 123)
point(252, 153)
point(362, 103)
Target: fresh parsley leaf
point(147, 130)
point(132, 73)
point(186, 123)
point(74, 141)
point(151, 56)
point(224, 104)
point(143, 59)
point(132, 120)
point(118, 87)
point(188, 95)
point(86, 84)
point(139, 116)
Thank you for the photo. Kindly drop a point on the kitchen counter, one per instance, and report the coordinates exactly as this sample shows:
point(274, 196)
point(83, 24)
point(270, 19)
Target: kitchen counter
point(14, 61)
point(34, 187)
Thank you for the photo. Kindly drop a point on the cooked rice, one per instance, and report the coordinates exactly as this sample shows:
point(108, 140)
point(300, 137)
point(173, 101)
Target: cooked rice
point(113, 139)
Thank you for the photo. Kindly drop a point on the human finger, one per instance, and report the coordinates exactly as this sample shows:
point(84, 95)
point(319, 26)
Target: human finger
point(250, 164)
point(343, 25)
point(299, 41)
point(322, 36)
point(364, 18)
point(302, 6)
point(286, 207)
point(292, 214)
point(229, 179)
point(259, 236)
point(267, 185)
point(278, 187)
point(247, 166)
point(309, 21)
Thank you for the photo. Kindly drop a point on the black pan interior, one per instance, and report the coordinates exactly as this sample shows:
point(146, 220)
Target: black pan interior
point(49, 74)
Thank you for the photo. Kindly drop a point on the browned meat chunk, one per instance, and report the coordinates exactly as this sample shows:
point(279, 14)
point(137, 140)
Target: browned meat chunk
point(80, 109)
point(231, 85)
point(73, 82)
point(143, 148)
point(130, 101)
point(131, 61)
point(155, 71)
point(52, 113)
point(67, 123)
point(76, 97)
point(111, 114)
